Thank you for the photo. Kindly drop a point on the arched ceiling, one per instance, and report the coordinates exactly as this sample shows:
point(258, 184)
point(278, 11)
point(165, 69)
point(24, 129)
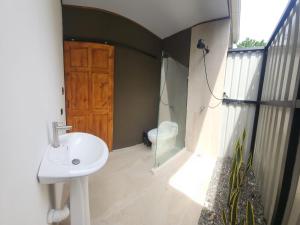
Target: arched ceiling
point(161, 17)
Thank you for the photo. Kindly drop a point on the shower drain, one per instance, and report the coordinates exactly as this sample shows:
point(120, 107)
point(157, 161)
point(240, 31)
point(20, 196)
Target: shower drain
point(75, 161)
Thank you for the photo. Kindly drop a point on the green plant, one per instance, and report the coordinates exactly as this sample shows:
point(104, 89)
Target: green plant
point(238, 173)
point(250, 43)
point(249, 215)
point(250, 162)
point(233, 211)
point(234, 208)
point(224, 218)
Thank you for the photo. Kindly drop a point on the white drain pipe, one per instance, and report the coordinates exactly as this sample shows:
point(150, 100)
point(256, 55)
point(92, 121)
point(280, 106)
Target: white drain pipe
point(58, 215)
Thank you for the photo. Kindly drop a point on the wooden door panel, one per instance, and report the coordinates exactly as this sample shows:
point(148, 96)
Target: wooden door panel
point(100, 91)
point(99, 124)
point(100, 58)
point(78, 91)
point(79, 57)
point(89, 71)
point(79, 123)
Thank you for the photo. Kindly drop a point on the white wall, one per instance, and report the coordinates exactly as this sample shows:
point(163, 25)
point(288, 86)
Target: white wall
point(31, 77)
point(203, 124)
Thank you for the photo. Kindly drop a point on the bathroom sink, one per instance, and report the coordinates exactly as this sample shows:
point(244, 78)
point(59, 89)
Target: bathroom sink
point(79, 155)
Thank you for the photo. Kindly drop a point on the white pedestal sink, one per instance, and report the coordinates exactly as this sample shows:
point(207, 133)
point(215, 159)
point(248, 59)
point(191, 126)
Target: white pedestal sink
point(79, 155)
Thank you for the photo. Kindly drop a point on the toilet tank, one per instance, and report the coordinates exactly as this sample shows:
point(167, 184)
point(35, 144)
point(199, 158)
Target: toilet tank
point(168, 127)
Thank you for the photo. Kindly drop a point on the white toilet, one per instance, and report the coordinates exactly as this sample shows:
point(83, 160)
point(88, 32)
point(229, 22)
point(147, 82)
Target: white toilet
point(163, 138)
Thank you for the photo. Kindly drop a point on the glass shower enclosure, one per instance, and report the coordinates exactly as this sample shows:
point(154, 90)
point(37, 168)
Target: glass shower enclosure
point(172, 110)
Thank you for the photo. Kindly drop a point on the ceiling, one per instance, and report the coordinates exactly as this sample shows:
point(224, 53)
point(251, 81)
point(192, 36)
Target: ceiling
point(161, 17)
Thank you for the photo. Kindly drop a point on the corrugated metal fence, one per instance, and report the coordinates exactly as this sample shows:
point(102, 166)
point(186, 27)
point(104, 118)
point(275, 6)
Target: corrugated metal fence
point(263, 96)
point(276, 116)
point(243, 70)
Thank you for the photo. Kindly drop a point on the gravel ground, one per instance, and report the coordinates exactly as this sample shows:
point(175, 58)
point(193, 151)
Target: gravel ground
point(216, 199)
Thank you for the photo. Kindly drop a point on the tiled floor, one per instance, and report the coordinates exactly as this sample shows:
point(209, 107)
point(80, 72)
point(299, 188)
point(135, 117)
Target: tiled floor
point(126, 192)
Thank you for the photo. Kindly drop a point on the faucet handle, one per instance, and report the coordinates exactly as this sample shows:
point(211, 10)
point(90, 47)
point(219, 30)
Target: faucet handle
point(61, 125)
point(56, 126)
point(66, 127)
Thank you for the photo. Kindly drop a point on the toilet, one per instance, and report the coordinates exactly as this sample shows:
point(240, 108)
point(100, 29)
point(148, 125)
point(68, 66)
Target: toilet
point(163, 138)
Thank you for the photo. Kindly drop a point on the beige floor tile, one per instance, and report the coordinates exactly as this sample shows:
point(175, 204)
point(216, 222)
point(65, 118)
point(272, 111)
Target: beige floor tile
point(126, 192)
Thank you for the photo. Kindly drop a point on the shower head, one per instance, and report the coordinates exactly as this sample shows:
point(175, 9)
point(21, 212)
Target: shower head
point(201, 45)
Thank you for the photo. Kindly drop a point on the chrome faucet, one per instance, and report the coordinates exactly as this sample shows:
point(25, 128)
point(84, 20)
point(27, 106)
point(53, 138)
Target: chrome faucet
point(55, 127)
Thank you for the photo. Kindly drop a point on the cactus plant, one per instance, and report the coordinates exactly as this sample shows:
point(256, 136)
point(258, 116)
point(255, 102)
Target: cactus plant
point(236, 173)
point(250, 162)
point(249, 215)
point(236, 180)
point(224, 219)
point(232, 180)
point(234, 208)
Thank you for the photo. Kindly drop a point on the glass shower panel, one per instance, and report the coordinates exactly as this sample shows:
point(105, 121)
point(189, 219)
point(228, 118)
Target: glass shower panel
point(172, 110)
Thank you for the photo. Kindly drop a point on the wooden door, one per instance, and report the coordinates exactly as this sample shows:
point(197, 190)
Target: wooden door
point(89, 72)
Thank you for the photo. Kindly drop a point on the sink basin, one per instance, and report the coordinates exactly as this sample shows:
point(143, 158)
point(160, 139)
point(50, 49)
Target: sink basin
point(79, 154)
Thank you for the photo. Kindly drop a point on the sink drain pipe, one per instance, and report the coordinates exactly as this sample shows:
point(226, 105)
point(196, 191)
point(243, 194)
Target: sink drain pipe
point(58, 215)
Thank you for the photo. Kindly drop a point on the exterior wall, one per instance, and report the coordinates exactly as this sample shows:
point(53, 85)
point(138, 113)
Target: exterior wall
point(31, 68)
point(137, 76)
point(243, 70)
point(204, 124)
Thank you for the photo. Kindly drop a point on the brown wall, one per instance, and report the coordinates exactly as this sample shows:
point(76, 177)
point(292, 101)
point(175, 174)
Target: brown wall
point(178, 46)
point(93, 23)
point(137, 75)
point(137, 84)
